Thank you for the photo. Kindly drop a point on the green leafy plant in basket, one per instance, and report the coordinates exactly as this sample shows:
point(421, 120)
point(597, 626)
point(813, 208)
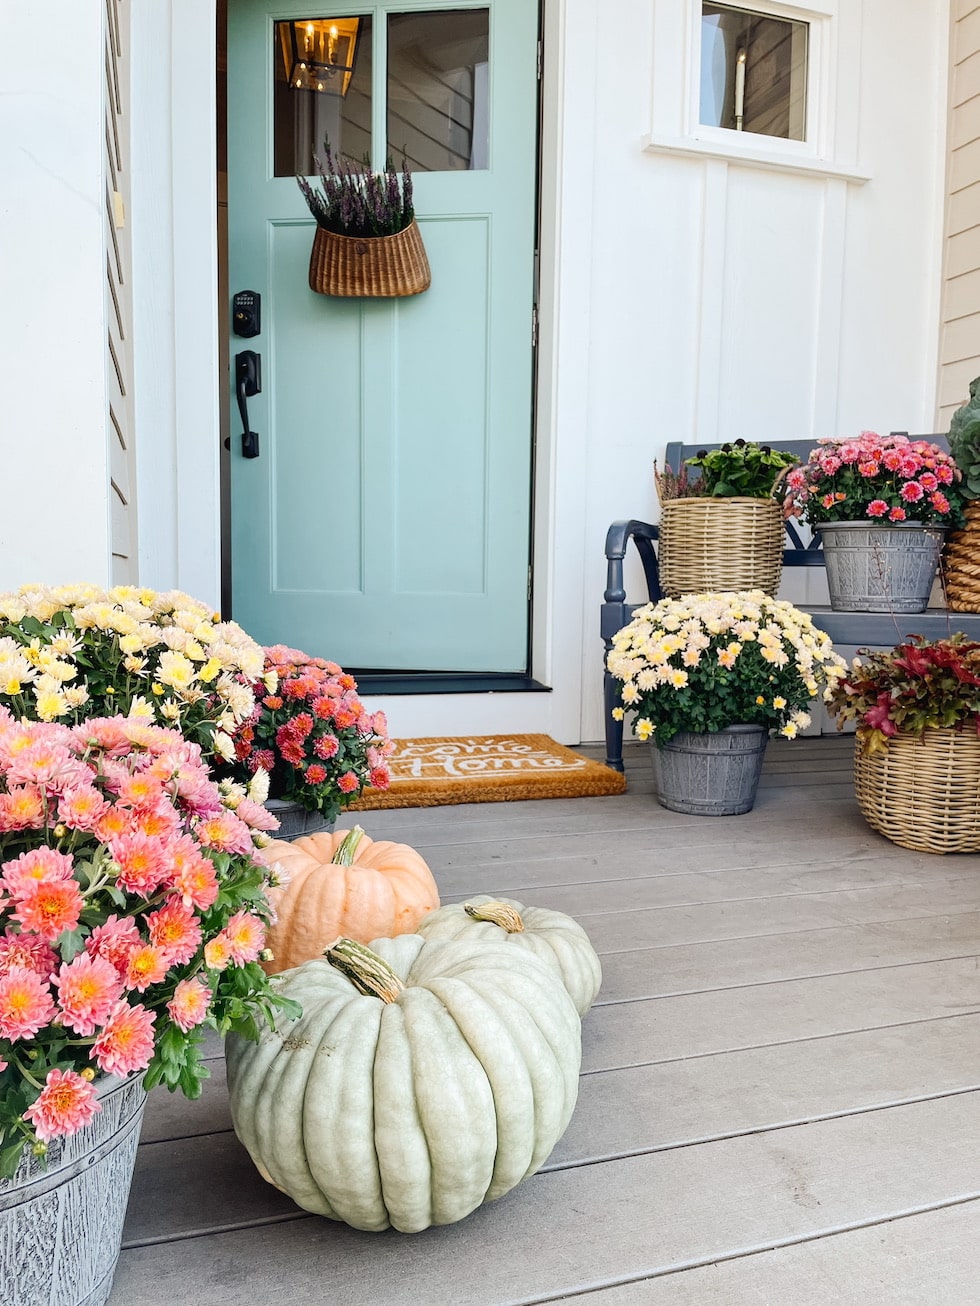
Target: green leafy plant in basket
point(964, 442)
point(741, 469)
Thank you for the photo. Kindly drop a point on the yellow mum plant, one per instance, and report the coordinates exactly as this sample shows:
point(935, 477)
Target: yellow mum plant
point(704, 662)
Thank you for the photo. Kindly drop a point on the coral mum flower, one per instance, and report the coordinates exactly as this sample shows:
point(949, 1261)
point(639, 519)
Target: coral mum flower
point(145, 965)
point(194, 875)
point(22, 873)
point(246, 937)
point(877, 508)
point(114, 940)
point(126, 1043)
point(347, 782)
point(50, 907)
point(67, 1103)
point(81, 807)
point(23, 808)
point(25, 1003)
point(27, 950)
point(175, 930)
point(87, 989)
point(142, 866)
point(217, 952)
point(189, 1004)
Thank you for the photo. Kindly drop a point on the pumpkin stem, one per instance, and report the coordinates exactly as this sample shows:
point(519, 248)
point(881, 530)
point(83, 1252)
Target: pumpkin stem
point(344, 856)
point(369, 973)
point(500, 913)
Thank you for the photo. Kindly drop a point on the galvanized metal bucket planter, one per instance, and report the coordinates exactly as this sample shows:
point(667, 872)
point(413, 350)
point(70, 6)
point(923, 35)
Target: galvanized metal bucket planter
point(876, 568)
point(61, 1225)
point(712, 774)
point(295, 820)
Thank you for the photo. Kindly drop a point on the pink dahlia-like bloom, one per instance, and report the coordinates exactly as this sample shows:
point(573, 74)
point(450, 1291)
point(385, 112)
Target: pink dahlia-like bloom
point(46, 762)
point(944, 474)
point(246, 937)
point(66, 1104)
point(26, 1004)
point(190, 1003)
point(81, 807)
point(911, 492)
point(114, 940)
point(50, 907)
point(939, 501)
point(315, 774)
point(347, 782)
point(828, 500)
point(143, 865)
point(380, 777)
point(27, 950)
point(892, 459)
point(217, 952)
point(24, 807)
point(23, 873)
point(87, 989)
point(147, 964)
point(224, 833)
point(929, 481)
point(194, 876)
point(125, 1044)
point(256, 816)
point(877, 508)
point(326, 747)
point(897, 514)
point(174, 929)
point(869, 469)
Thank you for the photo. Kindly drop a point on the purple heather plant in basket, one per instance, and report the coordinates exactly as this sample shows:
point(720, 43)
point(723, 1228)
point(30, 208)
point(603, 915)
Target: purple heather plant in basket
point(353, 200)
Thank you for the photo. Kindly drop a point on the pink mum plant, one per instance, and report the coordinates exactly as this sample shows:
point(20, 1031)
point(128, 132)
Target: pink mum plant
point(876, 478)
point(312, 735)
point(132, 914)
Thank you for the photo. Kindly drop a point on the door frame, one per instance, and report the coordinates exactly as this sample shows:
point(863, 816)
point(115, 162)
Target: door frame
point(180, 373)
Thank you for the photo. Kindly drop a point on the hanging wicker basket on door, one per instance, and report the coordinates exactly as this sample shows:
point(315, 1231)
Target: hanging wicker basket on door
point(371, 267)
point(923, 793)
point(961, 563)
point(709, 544)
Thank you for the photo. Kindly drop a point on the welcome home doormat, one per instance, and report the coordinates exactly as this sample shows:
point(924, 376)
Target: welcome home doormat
point(488, 769)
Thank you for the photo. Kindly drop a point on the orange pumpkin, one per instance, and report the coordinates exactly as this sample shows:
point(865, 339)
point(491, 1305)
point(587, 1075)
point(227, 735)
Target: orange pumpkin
point(343, 883)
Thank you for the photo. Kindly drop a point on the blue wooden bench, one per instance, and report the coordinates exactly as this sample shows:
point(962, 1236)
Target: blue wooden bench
point(867, 629)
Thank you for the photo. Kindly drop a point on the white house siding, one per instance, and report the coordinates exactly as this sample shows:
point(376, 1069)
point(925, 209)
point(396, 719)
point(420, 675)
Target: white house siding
point(55, 524)
point(729, 300)
point(119, 296)
point(683, 295)
point(959, 359)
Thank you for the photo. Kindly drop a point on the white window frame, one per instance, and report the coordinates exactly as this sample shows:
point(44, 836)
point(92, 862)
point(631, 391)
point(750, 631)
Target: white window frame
point(833, 57)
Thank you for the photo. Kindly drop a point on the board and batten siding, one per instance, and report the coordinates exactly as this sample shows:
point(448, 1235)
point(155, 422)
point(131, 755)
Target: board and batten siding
point(118, 298)
point(959, 359)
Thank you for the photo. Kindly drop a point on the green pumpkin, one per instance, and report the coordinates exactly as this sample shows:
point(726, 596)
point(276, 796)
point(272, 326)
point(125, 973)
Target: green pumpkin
point(550, 935)
point(423, 1078)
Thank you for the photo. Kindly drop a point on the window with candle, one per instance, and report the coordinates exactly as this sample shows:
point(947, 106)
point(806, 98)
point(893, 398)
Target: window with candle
point(753, 72)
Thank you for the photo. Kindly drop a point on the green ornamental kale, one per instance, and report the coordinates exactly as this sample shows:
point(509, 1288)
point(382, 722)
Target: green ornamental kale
point(964, 441)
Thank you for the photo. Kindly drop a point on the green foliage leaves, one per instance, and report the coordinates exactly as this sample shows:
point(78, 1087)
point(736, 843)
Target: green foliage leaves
point(741, 469)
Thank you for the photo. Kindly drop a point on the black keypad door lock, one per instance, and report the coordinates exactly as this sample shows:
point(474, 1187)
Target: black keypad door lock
point(246, 313)
point(248, 382)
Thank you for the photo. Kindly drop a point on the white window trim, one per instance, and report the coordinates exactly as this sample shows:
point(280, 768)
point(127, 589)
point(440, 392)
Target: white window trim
point(829, 149)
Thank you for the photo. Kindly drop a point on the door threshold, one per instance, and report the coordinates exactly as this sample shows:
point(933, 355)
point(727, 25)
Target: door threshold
point(445, 682)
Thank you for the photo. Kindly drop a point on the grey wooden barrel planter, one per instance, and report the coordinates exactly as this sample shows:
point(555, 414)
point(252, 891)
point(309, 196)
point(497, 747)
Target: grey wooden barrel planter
point(295, 820)
point(61, 1226)
point(875, 568)
point(711, 774)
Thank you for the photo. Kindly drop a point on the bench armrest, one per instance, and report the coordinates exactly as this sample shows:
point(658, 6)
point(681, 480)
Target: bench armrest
point(618, 537)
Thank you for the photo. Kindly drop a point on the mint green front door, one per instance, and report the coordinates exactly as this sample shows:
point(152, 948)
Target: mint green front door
point(386, 521)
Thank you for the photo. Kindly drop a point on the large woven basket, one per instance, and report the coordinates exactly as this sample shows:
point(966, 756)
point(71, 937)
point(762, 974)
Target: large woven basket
point(923, 793)
point(376, 267)
point(720, 544)
point(961, 564)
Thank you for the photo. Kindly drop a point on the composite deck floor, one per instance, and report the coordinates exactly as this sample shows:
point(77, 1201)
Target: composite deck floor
point(780, 1096)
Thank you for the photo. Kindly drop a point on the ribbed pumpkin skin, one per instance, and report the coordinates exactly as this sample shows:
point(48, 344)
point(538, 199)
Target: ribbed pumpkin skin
point(550, 935)
point(413, 1112)
point(387, 891)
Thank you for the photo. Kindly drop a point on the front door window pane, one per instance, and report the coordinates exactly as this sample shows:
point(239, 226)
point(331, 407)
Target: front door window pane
point(438, 89)
point(322, 91)
point(753, 72)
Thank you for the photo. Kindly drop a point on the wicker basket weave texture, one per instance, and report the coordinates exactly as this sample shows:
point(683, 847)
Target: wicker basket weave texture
point(923, 793)
point(720, 544)
point(376, 267)
point(961, 564)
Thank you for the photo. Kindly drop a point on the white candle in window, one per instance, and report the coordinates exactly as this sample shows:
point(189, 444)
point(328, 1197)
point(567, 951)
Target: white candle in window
point(739, 88)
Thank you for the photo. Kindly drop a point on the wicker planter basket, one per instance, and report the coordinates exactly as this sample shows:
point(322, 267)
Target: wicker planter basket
point(961, 564)
point(376, 267)
point(720, 544)
point(924, 793)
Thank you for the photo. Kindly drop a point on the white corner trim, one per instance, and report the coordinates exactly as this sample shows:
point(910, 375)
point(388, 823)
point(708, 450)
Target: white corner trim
point(752, 157)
